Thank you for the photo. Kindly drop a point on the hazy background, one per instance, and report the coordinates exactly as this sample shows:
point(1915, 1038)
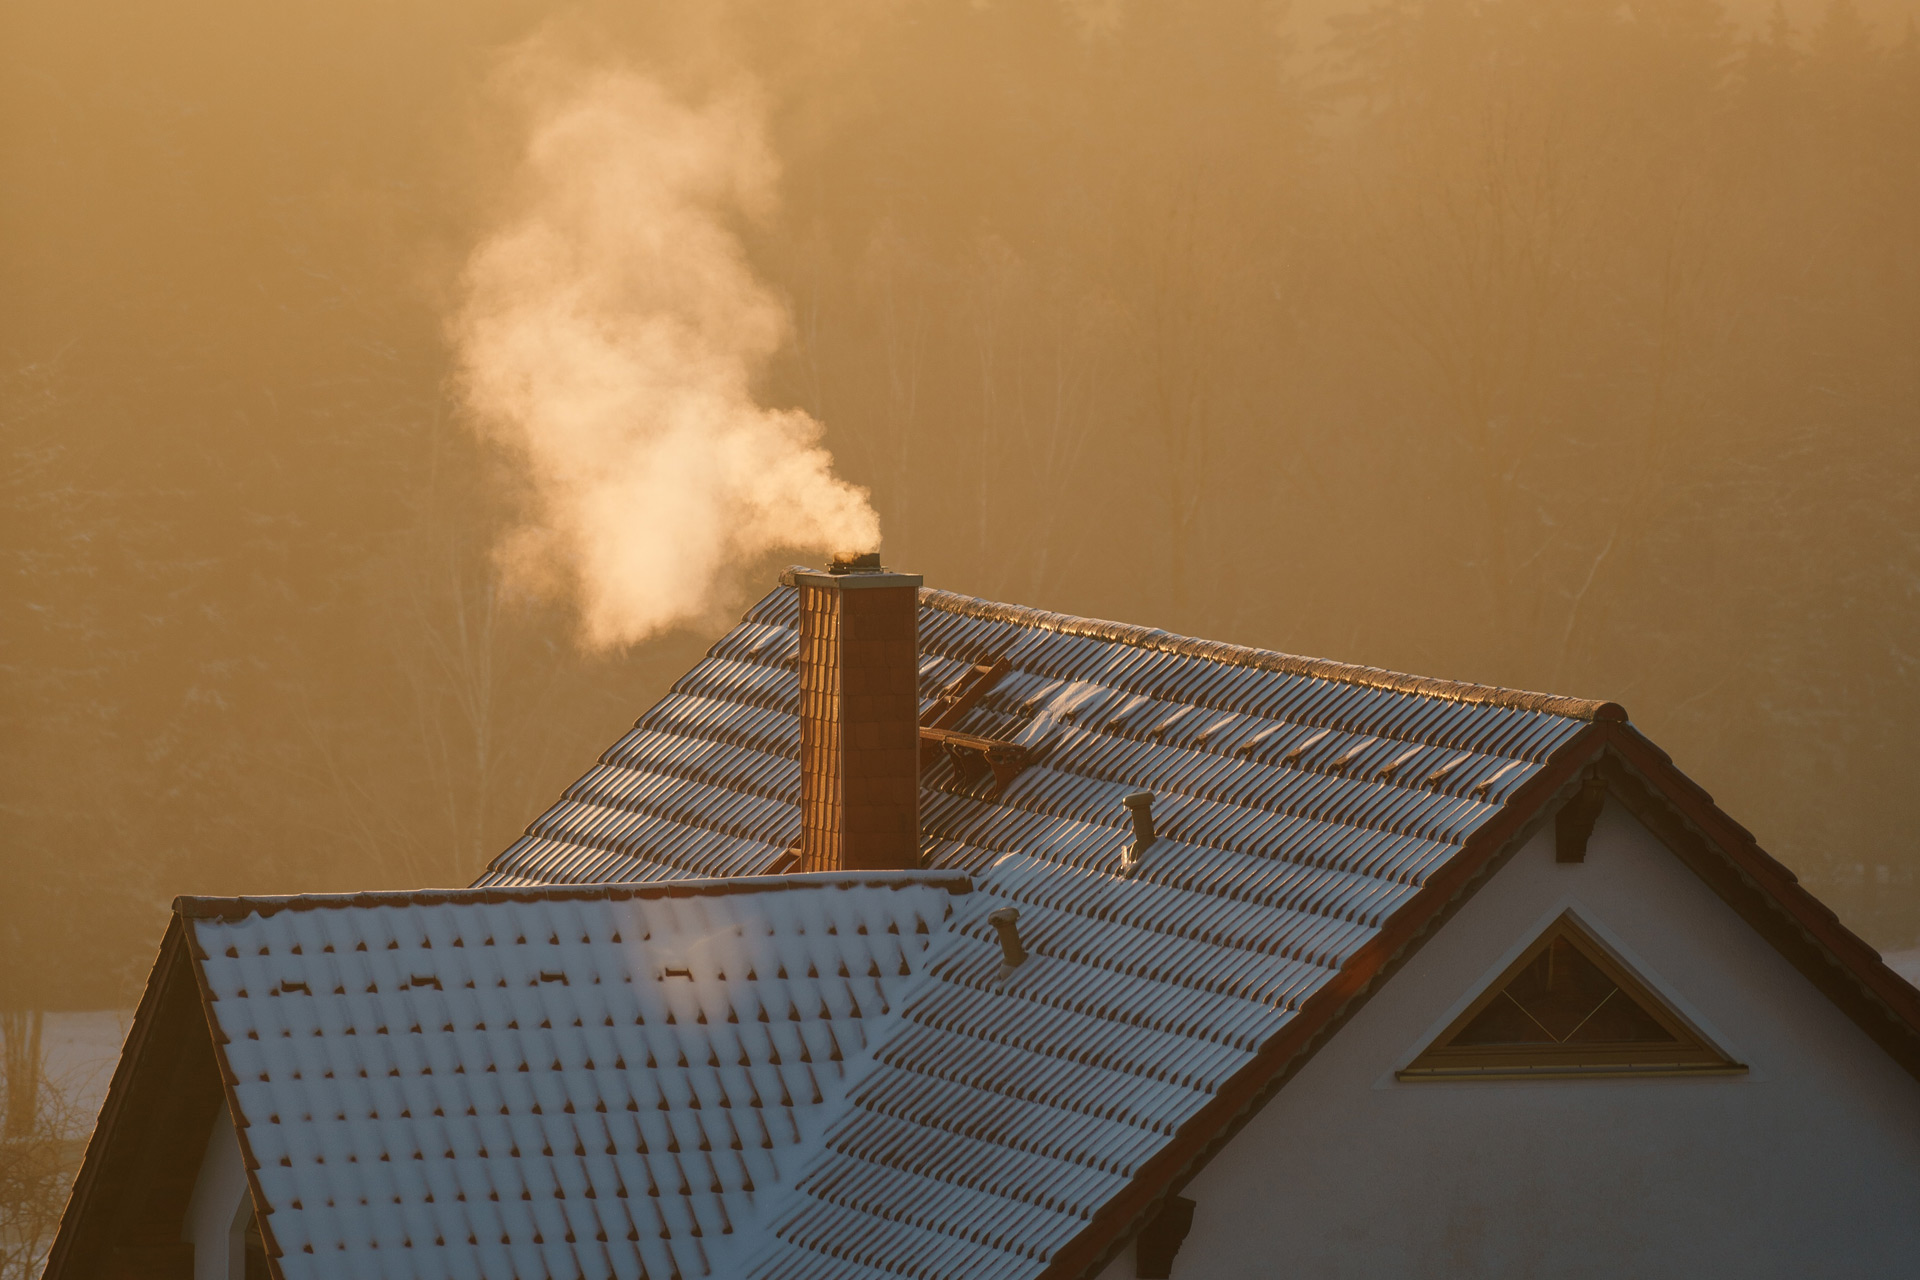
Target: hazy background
point(1551, 343)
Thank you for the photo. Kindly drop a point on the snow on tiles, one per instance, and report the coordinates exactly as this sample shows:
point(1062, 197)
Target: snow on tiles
point(546, 1082)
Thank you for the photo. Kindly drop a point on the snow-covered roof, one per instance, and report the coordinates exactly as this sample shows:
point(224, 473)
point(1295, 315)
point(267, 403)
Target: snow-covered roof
point(548, 1082)
point(832, 1076)
point(1300, 804)
point(1247, 751)
point(1316, 817)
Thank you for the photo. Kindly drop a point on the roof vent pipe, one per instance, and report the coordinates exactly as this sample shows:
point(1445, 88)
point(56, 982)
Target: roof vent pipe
point(1141, 803)
point(1006, 923)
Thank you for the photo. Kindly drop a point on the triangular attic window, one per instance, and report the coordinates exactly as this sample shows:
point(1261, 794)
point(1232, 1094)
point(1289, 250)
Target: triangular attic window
point(1567, 1007)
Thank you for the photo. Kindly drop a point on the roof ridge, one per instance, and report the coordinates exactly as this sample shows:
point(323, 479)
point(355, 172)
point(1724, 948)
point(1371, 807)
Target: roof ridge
point(1590, 709)
point(238, 908)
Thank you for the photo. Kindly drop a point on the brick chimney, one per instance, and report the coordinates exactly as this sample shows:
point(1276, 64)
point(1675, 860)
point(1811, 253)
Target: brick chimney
point(859, 717)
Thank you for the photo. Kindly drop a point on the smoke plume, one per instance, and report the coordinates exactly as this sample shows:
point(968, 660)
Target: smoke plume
point(610, 336)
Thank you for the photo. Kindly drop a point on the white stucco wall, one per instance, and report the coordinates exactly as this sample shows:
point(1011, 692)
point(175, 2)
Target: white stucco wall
point(218, 1214)
point(1807, 1166)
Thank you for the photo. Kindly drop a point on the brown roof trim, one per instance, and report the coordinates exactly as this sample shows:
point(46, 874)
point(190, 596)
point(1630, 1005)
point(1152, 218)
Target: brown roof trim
point(143, 1152)
point(1844, 967)
point(1241, 1094)
point(1838, 961)
point(1234, 655)
point(955, 882)
point(86, 1183)
point(262, 1209)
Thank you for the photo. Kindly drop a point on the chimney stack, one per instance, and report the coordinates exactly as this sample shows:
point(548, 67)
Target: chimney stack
point(859, 717)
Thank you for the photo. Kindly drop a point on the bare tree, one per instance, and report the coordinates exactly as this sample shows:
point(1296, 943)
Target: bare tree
point(472, 679)
point(1470, 244)
point(889, 268)
point(20, 1029)
point(45, 1134)
point(1184, 290)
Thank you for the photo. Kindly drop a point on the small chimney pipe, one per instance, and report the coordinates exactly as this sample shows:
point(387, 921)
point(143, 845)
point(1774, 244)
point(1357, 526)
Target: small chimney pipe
point(1141, 805)
point(1006, 923)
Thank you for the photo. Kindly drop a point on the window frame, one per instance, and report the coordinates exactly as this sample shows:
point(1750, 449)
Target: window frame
point(1691, 1053)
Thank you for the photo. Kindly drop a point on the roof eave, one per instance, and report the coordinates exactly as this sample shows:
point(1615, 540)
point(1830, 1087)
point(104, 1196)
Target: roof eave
point(1769, 896)
point(1211, 1126)
point(192, 908)
point(73, 1240)
point(263, 1210)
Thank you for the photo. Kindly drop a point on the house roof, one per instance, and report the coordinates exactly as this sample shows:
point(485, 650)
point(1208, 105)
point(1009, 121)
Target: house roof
point(1317, 820)
point(1248, 751)
point(543, 1081)
point(1300, 804)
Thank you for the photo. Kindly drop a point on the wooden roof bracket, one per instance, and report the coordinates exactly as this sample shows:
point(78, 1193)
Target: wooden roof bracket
point(965, 692)
point(973, 756)
point(1573, 826)
point(1160, 1241)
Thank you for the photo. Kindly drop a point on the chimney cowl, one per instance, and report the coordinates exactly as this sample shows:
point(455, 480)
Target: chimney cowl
point(850, 573)
point(1006, 923)
point(1140, 803)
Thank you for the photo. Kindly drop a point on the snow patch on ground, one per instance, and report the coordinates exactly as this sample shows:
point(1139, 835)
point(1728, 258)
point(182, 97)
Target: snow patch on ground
point(1905, 963)
point(79, 1051)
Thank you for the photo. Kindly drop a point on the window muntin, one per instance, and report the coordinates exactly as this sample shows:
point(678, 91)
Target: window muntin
point(1568, 1007)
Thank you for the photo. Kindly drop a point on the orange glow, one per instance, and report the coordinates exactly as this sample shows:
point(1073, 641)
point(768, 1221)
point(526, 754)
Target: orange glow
point(1552, 343)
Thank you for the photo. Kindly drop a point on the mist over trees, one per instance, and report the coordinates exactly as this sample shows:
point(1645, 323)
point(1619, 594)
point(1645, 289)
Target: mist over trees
point(1558, 344)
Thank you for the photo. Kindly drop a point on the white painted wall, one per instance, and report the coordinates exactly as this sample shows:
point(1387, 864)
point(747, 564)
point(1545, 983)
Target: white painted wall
point(1807, 1166)
point(220, 1210)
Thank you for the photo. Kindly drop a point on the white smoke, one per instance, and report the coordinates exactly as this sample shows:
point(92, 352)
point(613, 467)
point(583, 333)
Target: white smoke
point(610, 335)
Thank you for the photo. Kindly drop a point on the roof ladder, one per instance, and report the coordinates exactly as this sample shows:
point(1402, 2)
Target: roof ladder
point(973, 756)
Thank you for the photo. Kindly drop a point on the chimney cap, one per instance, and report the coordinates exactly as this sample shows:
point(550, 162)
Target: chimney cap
point(846, 572)
point(1006, 923)
point(1140, 804)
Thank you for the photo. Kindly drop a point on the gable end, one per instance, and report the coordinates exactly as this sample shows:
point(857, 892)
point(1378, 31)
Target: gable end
point(130, 1198)
point(1766, 895)
point(1322, 1015)
point(1683, 816)
point(1567, 1007)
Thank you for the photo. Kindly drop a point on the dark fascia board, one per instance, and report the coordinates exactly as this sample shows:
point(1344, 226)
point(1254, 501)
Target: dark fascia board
point(954, 882)
point(1233, 655)
point(178, 964)
point(1683, 815)
point(70, 1243)
point(1767, 894)
point(1236, 1102)
point(262, 1210)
